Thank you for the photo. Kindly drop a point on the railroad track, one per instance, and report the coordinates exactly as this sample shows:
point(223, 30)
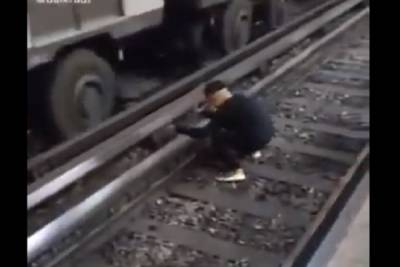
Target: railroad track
point(322, 135)
point(162, 66)
point(40, 165)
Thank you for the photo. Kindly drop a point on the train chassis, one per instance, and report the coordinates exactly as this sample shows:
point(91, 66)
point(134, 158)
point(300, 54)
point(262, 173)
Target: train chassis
point(79, 86)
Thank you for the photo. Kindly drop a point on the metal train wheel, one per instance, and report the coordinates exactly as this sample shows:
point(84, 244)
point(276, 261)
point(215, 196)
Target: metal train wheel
point(196, 38)
point(275, 14)
point(236, 25)
point(82, 93)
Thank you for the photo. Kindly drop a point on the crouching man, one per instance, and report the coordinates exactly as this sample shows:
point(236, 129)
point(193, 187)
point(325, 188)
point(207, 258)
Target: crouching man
point(239, 126)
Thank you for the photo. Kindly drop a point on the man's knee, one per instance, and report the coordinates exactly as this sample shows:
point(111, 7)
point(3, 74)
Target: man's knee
point(221, 143)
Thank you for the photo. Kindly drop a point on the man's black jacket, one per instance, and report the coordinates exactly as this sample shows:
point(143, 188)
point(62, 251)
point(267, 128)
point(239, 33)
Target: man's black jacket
point(243, 119)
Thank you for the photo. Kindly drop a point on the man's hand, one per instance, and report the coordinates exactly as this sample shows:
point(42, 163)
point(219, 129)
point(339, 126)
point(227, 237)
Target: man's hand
point(208, 112)
point(181, 129)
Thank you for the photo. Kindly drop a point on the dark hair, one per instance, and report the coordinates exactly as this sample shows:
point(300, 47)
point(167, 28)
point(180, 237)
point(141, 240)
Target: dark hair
point(213, 87)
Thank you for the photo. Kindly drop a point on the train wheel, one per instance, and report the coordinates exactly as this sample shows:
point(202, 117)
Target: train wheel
point(196, 38)
point(82, 93)
point(236, 25)
point(275, 14)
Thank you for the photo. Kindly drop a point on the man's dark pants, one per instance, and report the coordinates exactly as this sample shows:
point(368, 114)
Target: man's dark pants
point(227, 150)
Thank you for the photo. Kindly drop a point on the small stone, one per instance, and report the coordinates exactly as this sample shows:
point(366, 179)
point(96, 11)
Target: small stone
point(189, 178)
point(297, 202)
point(304, 135)
point(274, 224)
point(122, 252)
point(231, 262)
point(241, 242)
point(260, 197)
point(258, 226)
point(254, 79)
point(212, 230)
point(290, 241)
point(189, 222)
point(159, 201)
point(244, 263)
point(268, 245)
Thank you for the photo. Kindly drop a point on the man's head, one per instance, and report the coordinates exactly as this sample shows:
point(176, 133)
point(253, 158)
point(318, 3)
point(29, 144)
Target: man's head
point(217, 93)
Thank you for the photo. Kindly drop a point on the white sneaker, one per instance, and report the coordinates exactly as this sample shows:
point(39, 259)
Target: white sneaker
point(256, 155)
point(237, 176)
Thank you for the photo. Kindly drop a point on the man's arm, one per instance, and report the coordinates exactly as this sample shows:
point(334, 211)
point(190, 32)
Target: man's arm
point(207, 112)
point(197, 132)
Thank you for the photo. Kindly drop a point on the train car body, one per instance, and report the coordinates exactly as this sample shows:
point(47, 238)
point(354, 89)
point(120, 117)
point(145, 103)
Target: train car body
point(55, 24)
point(79, 39)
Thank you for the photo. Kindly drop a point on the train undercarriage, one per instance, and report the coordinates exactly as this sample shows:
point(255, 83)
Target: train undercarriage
point(78, 88)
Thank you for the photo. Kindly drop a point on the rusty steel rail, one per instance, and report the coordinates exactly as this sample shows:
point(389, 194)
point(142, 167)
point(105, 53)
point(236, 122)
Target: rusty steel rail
point(321, 225)
point(80, 166)
point(308, 52)
point(66, 223)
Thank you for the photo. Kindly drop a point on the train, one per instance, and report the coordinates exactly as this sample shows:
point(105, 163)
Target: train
point(74, 45)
